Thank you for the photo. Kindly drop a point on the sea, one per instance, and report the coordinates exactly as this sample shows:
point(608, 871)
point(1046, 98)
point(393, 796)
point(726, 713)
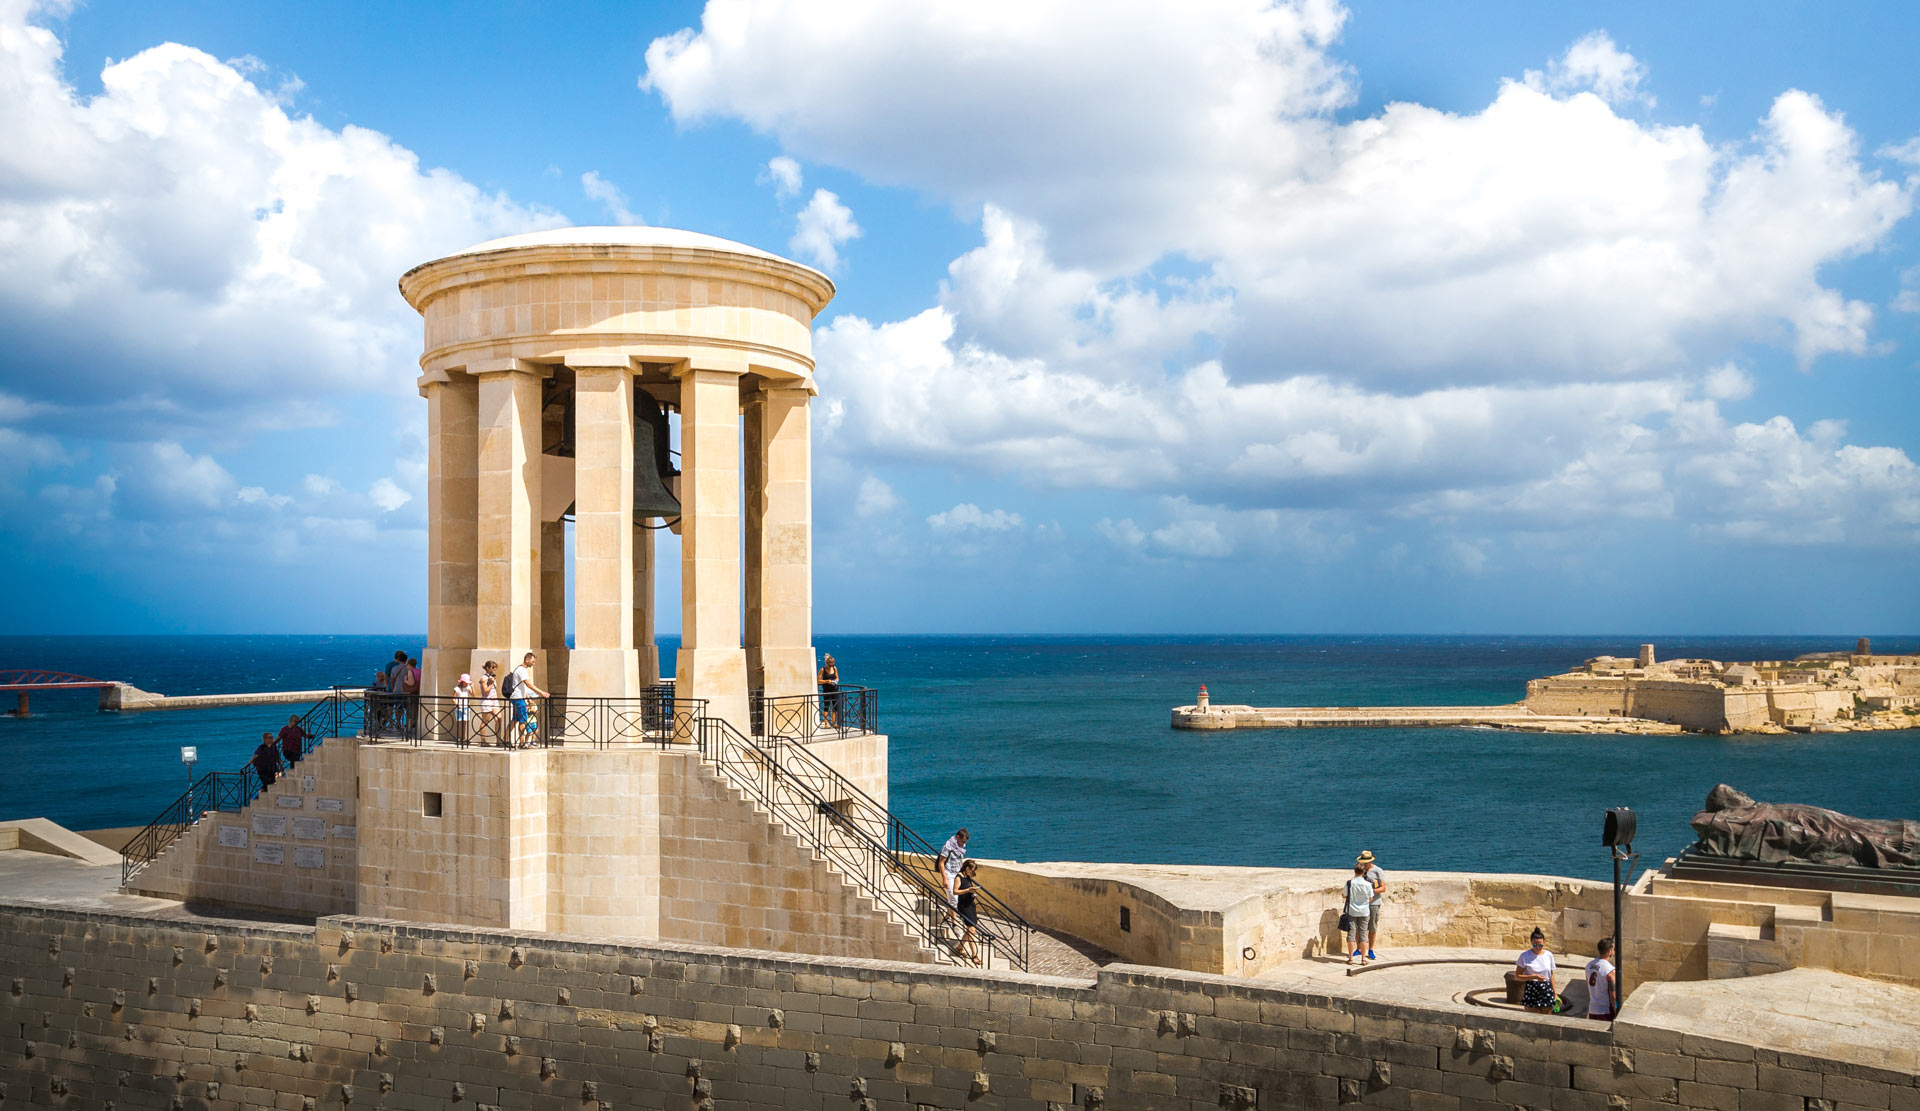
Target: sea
point(1059, 748)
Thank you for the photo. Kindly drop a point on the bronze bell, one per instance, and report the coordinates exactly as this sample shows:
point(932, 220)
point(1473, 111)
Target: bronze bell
point(652, 465)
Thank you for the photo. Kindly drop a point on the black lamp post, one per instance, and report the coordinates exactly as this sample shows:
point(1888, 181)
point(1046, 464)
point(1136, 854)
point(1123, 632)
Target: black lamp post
point(1617, 836)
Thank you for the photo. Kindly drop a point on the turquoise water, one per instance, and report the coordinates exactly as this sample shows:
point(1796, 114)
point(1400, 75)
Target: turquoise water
point(1058, 748)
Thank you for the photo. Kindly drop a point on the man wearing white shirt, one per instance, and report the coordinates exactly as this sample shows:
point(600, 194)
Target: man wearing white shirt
point(1601, 983)
point(952, 855)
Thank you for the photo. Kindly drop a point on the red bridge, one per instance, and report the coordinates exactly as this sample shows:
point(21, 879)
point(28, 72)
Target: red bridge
point(27, 680)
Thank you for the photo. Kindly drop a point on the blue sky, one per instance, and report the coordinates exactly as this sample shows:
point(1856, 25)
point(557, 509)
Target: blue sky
point(1234, 317)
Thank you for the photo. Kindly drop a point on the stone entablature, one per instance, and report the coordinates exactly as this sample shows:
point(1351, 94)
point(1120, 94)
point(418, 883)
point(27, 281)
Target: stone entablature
point(653, 294)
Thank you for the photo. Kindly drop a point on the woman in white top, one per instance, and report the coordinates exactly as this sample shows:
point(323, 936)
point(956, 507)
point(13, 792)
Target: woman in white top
point(489, 691)
point(1535, 969)
point(1359, 894)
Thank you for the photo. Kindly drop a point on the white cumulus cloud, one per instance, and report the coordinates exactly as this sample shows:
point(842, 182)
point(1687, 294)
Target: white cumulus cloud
point(611, 198)
point(969, 517)
point(821, 228)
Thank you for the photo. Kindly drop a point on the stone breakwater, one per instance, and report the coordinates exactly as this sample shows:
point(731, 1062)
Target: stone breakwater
point(129, 1012)
point(1515, 717)
point(125, 696)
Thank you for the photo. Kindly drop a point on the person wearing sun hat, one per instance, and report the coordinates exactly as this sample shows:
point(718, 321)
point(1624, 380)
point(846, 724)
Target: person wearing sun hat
point(1379, 880)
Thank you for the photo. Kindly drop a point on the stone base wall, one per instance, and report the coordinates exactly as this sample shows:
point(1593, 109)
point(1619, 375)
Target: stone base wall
point(292, 849)
point(617, 842)
point(731, 876)
point(133, 1014)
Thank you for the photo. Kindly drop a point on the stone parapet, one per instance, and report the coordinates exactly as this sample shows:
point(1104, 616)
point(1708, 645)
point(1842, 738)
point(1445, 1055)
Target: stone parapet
point(144, 1013)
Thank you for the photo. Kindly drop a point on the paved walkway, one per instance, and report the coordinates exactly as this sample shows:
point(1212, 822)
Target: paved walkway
point(1803, 1010)
point(1474, 977)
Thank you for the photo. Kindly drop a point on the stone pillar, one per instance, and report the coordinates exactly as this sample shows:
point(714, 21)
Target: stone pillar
point(508, 539)
point(711, 663)
point(552, 619)
point(604, 664)
point(647, 652)
point(453, 491)
point(780, 542)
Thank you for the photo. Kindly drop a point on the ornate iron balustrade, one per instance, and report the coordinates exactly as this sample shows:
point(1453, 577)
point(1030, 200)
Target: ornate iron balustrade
point(864, 841)
point(656, 717)
point(809, 717)
point(337, 715)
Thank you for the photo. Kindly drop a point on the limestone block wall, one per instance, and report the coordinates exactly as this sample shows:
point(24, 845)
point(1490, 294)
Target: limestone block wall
point(142, 1014)
point(617, 842)
point(295, 848)
point(730, 876)
point(1700, 706)
point(456, 865)
point(1062, 897)
point(1593, 697)
point(862, 759)
point(1686, 930)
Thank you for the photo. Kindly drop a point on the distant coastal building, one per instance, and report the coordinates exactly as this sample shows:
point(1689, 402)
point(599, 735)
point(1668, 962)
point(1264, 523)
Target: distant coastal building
point(1822, 692)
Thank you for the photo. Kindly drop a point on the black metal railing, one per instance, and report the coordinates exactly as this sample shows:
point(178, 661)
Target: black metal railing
point(889, 862)
point(213, 791)
point(846, 712)
point(657, 716)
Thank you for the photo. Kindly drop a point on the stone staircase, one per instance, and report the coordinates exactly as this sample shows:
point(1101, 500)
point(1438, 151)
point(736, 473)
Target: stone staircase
point(860, 841)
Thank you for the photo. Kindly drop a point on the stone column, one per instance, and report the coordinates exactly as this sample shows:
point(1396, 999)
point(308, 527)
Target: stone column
point(711, 663)
point(643, 605)
point(552, 619)
point(509, 535)
point(453, 492)
point(780, 541)
point(604, 664)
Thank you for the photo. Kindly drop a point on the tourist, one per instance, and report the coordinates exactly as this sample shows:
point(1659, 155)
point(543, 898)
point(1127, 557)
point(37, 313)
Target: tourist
point(462, 701)
point(965, 886)
point(266, 762)
point(376, 703)
point(396, 690)
point(1535, 969)
point(953, 854)
point(490, 702)
point(293, 740)
point(410, 688)
point(1379, 880)
point(1601, 983)
point(518, 690)
point(1359, 892)
point(829, 692)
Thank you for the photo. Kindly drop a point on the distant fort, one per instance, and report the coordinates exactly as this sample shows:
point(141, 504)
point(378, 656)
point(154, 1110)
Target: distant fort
point(1826, 692)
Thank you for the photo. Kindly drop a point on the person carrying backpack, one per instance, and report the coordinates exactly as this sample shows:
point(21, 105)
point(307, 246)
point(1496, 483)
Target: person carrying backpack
point(518, 689)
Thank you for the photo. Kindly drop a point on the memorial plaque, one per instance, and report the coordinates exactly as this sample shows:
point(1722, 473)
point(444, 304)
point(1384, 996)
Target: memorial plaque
point(269, 852)
point(344, 832)
point(329, 804)
point(313, 829)
point(270, 825)
point(309, 856)
point(306, 783)
point(291, 802)
point(233, 837)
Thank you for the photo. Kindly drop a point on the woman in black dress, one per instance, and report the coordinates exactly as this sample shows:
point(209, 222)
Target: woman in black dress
point(829, 692)
point(967, 904)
